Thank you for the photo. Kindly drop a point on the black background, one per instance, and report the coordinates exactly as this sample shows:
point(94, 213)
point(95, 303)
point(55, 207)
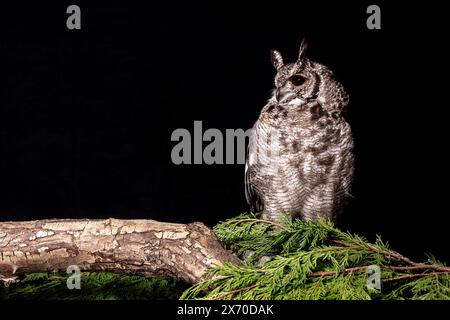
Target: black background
point(86, 115)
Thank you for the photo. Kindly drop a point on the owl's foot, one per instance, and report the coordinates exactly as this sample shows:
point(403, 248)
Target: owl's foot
point(261, 260)
point(277, 217)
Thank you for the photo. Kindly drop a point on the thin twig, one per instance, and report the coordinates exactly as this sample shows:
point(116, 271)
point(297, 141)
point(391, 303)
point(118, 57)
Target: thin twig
point(422, 266)
point(415, 275)
point(387, 253)
point(412, 265)
point(332, 273)
point(232, 293)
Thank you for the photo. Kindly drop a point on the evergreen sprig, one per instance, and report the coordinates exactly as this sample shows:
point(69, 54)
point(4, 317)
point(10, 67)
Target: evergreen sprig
point(315, 260)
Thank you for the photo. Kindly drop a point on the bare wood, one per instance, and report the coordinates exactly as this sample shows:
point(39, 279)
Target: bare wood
point(146, 247)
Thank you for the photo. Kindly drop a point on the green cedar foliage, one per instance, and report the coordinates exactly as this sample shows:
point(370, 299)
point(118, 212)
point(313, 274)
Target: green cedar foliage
point(315, 261)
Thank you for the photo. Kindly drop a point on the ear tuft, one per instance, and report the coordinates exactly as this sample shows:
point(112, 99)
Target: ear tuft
point(277, 59)
point(302, 51)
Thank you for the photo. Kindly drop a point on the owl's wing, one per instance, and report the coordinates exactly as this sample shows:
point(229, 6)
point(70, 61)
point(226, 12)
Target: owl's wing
point(251, 194)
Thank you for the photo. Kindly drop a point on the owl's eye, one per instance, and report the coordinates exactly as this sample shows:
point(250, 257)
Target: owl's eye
point(297, 80)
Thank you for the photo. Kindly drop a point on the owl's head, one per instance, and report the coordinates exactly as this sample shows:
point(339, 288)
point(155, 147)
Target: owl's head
point(304, 80)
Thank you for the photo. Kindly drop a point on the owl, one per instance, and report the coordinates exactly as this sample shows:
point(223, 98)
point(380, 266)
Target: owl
point(300, 155)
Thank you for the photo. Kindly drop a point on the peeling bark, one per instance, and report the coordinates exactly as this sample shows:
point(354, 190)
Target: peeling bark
point(146, 247)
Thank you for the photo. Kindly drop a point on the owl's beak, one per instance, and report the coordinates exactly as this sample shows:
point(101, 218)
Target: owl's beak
point(280, 94)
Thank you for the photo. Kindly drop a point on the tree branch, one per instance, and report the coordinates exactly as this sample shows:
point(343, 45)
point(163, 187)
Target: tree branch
point(146, 247)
